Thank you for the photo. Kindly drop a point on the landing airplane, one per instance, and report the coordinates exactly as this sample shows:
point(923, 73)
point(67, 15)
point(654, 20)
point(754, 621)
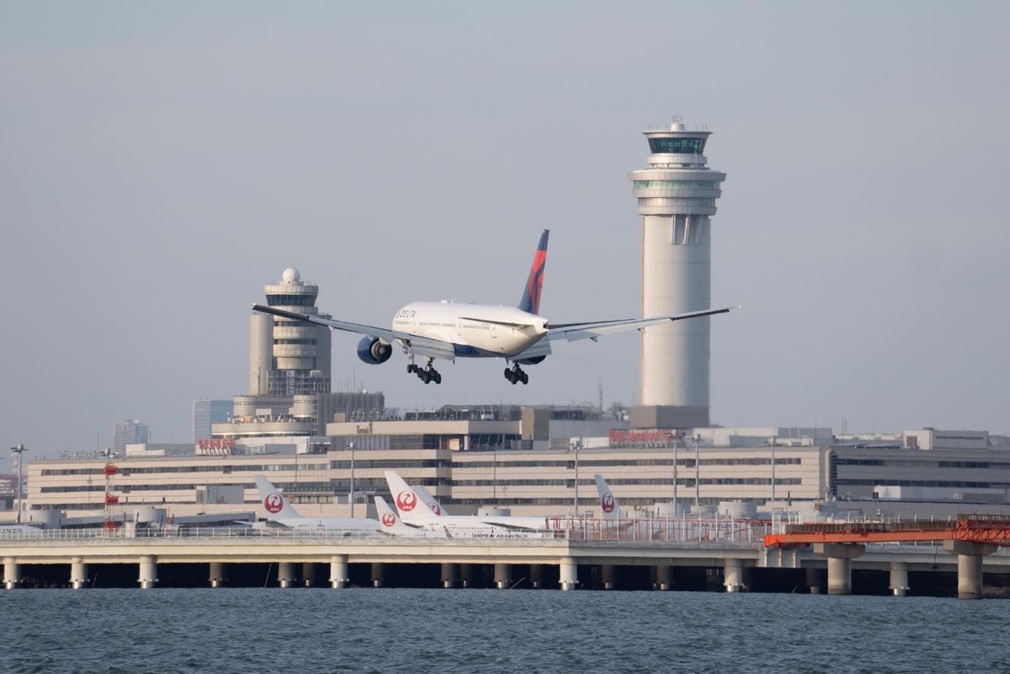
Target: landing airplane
point(448, 330)
point(407, 501)
point(280, 511)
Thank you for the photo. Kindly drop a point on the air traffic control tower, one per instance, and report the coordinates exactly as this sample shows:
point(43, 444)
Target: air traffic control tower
point(676, 198)
point(289, 357)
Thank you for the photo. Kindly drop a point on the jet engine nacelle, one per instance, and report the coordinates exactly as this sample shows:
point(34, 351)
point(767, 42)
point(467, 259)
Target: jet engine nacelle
point(374, 351)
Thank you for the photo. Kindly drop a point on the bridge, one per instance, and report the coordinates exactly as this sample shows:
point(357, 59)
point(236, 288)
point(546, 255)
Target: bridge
point(970, 537)
point(736, 553)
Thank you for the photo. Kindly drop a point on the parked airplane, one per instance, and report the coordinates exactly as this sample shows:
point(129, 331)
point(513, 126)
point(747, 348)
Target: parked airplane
point(449, 330)
point(280, 511)
point(393, 524)
point(409, 505)
point(609, 508)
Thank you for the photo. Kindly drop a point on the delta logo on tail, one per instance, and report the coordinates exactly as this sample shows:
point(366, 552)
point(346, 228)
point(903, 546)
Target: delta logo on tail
point(406, 501)
point(607, 502)
point(273, 503)
point(530, 301)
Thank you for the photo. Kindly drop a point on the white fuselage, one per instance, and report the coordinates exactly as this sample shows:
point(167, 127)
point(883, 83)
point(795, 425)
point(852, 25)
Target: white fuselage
point(477, 330)
point(477, 527)
point(335, 525)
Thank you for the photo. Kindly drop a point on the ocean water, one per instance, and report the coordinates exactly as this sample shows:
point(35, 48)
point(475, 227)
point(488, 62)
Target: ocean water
point(305, 631)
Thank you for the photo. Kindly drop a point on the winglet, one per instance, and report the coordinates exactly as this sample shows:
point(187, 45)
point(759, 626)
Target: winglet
point(274, 502)
point(535, 283)
point(406, 500)
point(609, 509)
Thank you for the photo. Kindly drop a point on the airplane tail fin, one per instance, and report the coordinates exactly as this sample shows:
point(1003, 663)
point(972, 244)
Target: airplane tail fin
point(390, 521)
point(535, 283)
point(609, 509)
point(409, 505)
point(429, 500)
point(275, 504)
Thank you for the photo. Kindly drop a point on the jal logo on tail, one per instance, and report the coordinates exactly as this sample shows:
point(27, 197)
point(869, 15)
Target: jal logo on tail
point(406, 501)
point(388, 519)
point(273, 503)
point(435, 508)
point(607, 502)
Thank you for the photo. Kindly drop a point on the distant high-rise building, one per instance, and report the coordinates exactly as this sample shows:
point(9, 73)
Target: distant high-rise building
point(207, 412)
point(288, 357)
point(676, 198)
point(129, 432)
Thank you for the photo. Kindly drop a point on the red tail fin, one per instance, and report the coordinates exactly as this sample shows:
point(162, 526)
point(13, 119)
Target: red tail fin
point(535, 283)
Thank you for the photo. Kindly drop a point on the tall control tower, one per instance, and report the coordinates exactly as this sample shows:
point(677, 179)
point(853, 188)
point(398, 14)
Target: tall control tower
point(289, 357)
point(676, 198)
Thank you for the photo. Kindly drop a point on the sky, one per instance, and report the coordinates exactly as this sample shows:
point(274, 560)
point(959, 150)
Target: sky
point(161, 162)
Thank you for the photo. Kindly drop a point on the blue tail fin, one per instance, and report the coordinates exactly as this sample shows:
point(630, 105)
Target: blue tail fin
point(535, 283)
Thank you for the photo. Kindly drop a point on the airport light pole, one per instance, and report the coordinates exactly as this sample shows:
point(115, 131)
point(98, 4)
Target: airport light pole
point(576, 445)
point(697, 473)
point(674, 476)
point(351, 447)
point(18, 450)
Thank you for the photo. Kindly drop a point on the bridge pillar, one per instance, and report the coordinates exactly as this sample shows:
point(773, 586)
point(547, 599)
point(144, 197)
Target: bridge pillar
point(840, 556)
point(969, 566)
point(308, 573)
point(286, 576)
point(608, 574)
point(78, 573)
point(148, 572)
point(217, 577)
point(338, 572)
point(732, 575)
point(569, 574)
point(814, 583)
point(378, 574)
point(466, 575)
point(899, 579)
point(664, 578)
point(450, 574)
point(537, 576)
point(12, 573)
point(502, 576)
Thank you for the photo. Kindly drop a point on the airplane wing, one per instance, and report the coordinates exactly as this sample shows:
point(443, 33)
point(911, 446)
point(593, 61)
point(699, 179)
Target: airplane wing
point(576, 331)
point(370, 330)
point(425, 346)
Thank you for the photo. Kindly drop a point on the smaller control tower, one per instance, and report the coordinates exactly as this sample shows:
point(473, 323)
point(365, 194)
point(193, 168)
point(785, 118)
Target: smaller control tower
point(676, 197)
point(288, 357)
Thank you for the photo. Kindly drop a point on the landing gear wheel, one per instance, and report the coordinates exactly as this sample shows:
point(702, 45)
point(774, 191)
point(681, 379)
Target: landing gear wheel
point(436, 377)
point(508, 374)
point(525, 379)
point(425, 377)
point(411, 368)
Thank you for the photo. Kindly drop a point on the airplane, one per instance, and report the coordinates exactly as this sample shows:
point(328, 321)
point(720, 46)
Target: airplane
point(394, 524)
point(407, 499)
point(449, 330)
point(279, 511)
point(609, 508)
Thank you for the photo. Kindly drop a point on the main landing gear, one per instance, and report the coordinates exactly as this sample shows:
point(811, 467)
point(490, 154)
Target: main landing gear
point(515, 375)
point(427, 374)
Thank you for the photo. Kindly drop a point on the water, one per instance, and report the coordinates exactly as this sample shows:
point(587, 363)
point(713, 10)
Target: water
point(391, 630)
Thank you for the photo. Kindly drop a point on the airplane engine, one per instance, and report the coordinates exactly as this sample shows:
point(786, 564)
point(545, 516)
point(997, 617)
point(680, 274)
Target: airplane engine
point(374, 351)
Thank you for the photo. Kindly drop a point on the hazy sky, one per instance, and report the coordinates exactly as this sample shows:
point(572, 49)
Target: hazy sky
point(161, 162)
